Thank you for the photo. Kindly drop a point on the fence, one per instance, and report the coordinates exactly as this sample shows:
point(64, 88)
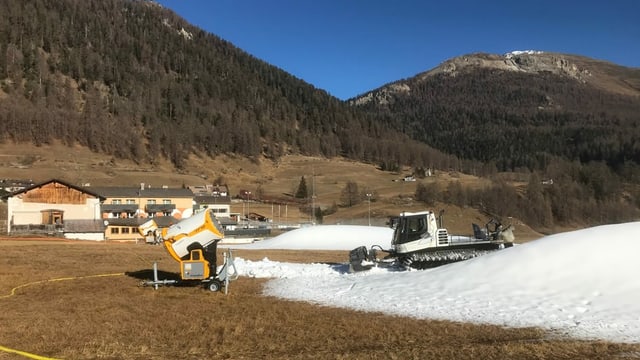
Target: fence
point(37, 229)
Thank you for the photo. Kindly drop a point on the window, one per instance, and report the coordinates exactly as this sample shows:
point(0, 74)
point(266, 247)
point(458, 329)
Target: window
point(131, 201)
point(166, 201)
point(125, 230)
point(151, 201)
point(116, 201)
point(115, 230)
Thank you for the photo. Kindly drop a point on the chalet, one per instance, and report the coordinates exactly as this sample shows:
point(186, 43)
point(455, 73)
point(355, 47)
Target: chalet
point(55, 207)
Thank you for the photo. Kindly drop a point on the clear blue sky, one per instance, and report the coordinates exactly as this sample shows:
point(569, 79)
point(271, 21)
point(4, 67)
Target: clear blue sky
point(348, 47)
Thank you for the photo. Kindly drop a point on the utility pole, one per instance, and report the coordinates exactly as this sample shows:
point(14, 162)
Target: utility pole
point(369, 201)
point(313, 196)
point(248, 212)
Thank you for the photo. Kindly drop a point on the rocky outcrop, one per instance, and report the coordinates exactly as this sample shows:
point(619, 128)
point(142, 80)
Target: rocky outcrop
point(579, 68)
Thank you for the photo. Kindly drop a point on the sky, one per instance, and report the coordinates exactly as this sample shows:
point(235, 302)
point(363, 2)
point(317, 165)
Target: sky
point(350, 47)
point(582, 284)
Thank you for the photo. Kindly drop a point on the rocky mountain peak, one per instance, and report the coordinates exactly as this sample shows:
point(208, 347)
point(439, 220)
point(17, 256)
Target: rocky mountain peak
point(582, 69)
point(528, 61)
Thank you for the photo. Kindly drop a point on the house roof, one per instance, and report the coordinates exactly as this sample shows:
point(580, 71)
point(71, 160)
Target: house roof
point(210, 199)
point(78, 188)
point(135, 192)
point(226, 221)
point(83, 226)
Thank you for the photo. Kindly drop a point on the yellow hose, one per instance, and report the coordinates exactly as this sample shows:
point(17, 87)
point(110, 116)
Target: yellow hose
point(13, 292)
point(25, 354)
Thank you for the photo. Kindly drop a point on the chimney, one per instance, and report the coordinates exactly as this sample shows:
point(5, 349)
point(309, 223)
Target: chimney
point(141, 186)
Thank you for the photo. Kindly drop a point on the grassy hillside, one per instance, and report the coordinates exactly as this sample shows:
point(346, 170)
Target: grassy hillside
point(276, 181)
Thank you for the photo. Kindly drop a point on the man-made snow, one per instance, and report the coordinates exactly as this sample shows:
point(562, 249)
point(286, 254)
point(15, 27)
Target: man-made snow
point(584, 284)
point(328, 237)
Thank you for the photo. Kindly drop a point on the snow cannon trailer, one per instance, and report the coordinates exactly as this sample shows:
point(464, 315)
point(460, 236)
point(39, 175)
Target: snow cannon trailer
point(420, 242)
point(193, 243)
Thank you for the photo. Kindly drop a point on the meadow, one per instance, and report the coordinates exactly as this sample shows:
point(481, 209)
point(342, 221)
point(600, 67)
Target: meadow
point(80, 300)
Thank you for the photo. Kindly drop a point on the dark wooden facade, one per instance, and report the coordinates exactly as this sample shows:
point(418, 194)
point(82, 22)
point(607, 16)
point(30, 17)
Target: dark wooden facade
point(55, 193)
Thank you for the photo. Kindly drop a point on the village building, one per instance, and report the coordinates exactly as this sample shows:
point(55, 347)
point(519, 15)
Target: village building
point(213, 197)
point(145, 201)
point(57, 208)
point(126, 208)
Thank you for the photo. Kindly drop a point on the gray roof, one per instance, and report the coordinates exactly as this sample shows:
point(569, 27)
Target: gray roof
point(83, 226)
point(226, 221)
point(209, 199)
point(134, 192)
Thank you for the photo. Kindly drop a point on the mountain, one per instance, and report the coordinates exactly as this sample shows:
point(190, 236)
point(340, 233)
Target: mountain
point(132, 79)
point(519, 109)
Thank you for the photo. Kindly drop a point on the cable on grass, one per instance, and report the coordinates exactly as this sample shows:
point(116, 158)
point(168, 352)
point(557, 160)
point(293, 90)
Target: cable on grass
point(25, 354)
point(13, 292)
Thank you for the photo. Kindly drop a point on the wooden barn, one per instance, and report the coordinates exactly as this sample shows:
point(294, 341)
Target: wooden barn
point(56, 208)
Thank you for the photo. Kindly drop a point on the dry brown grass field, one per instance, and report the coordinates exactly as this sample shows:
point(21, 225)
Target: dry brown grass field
point(112, 317)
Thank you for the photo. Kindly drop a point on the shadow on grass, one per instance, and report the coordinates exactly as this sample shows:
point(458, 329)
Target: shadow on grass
point(147, 274)
point(165, 278)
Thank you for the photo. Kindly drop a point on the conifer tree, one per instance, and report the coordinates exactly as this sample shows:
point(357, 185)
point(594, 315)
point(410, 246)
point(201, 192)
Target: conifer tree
point(302, 192)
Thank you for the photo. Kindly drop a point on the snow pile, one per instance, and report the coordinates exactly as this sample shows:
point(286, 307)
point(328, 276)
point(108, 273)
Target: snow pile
point(328, 237)
point(584, 283)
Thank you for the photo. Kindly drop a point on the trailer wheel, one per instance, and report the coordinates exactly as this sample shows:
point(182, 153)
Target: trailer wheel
point(214, 285)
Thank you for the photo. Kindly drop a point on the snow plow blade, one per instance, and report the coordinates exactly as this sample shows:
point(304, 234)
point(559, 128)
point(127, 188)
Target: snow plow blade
point(361, 259)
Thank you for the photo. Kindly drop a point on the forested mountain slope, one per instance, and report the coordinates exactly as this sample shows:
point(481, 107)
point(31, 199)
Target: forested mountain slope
point(132, 79)
point(519, 109)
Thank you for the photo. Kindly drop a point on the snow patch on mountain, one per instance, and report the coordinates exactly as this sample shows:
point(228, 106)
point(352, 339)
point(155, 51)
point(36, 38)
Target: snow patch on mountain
point(511, 54)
